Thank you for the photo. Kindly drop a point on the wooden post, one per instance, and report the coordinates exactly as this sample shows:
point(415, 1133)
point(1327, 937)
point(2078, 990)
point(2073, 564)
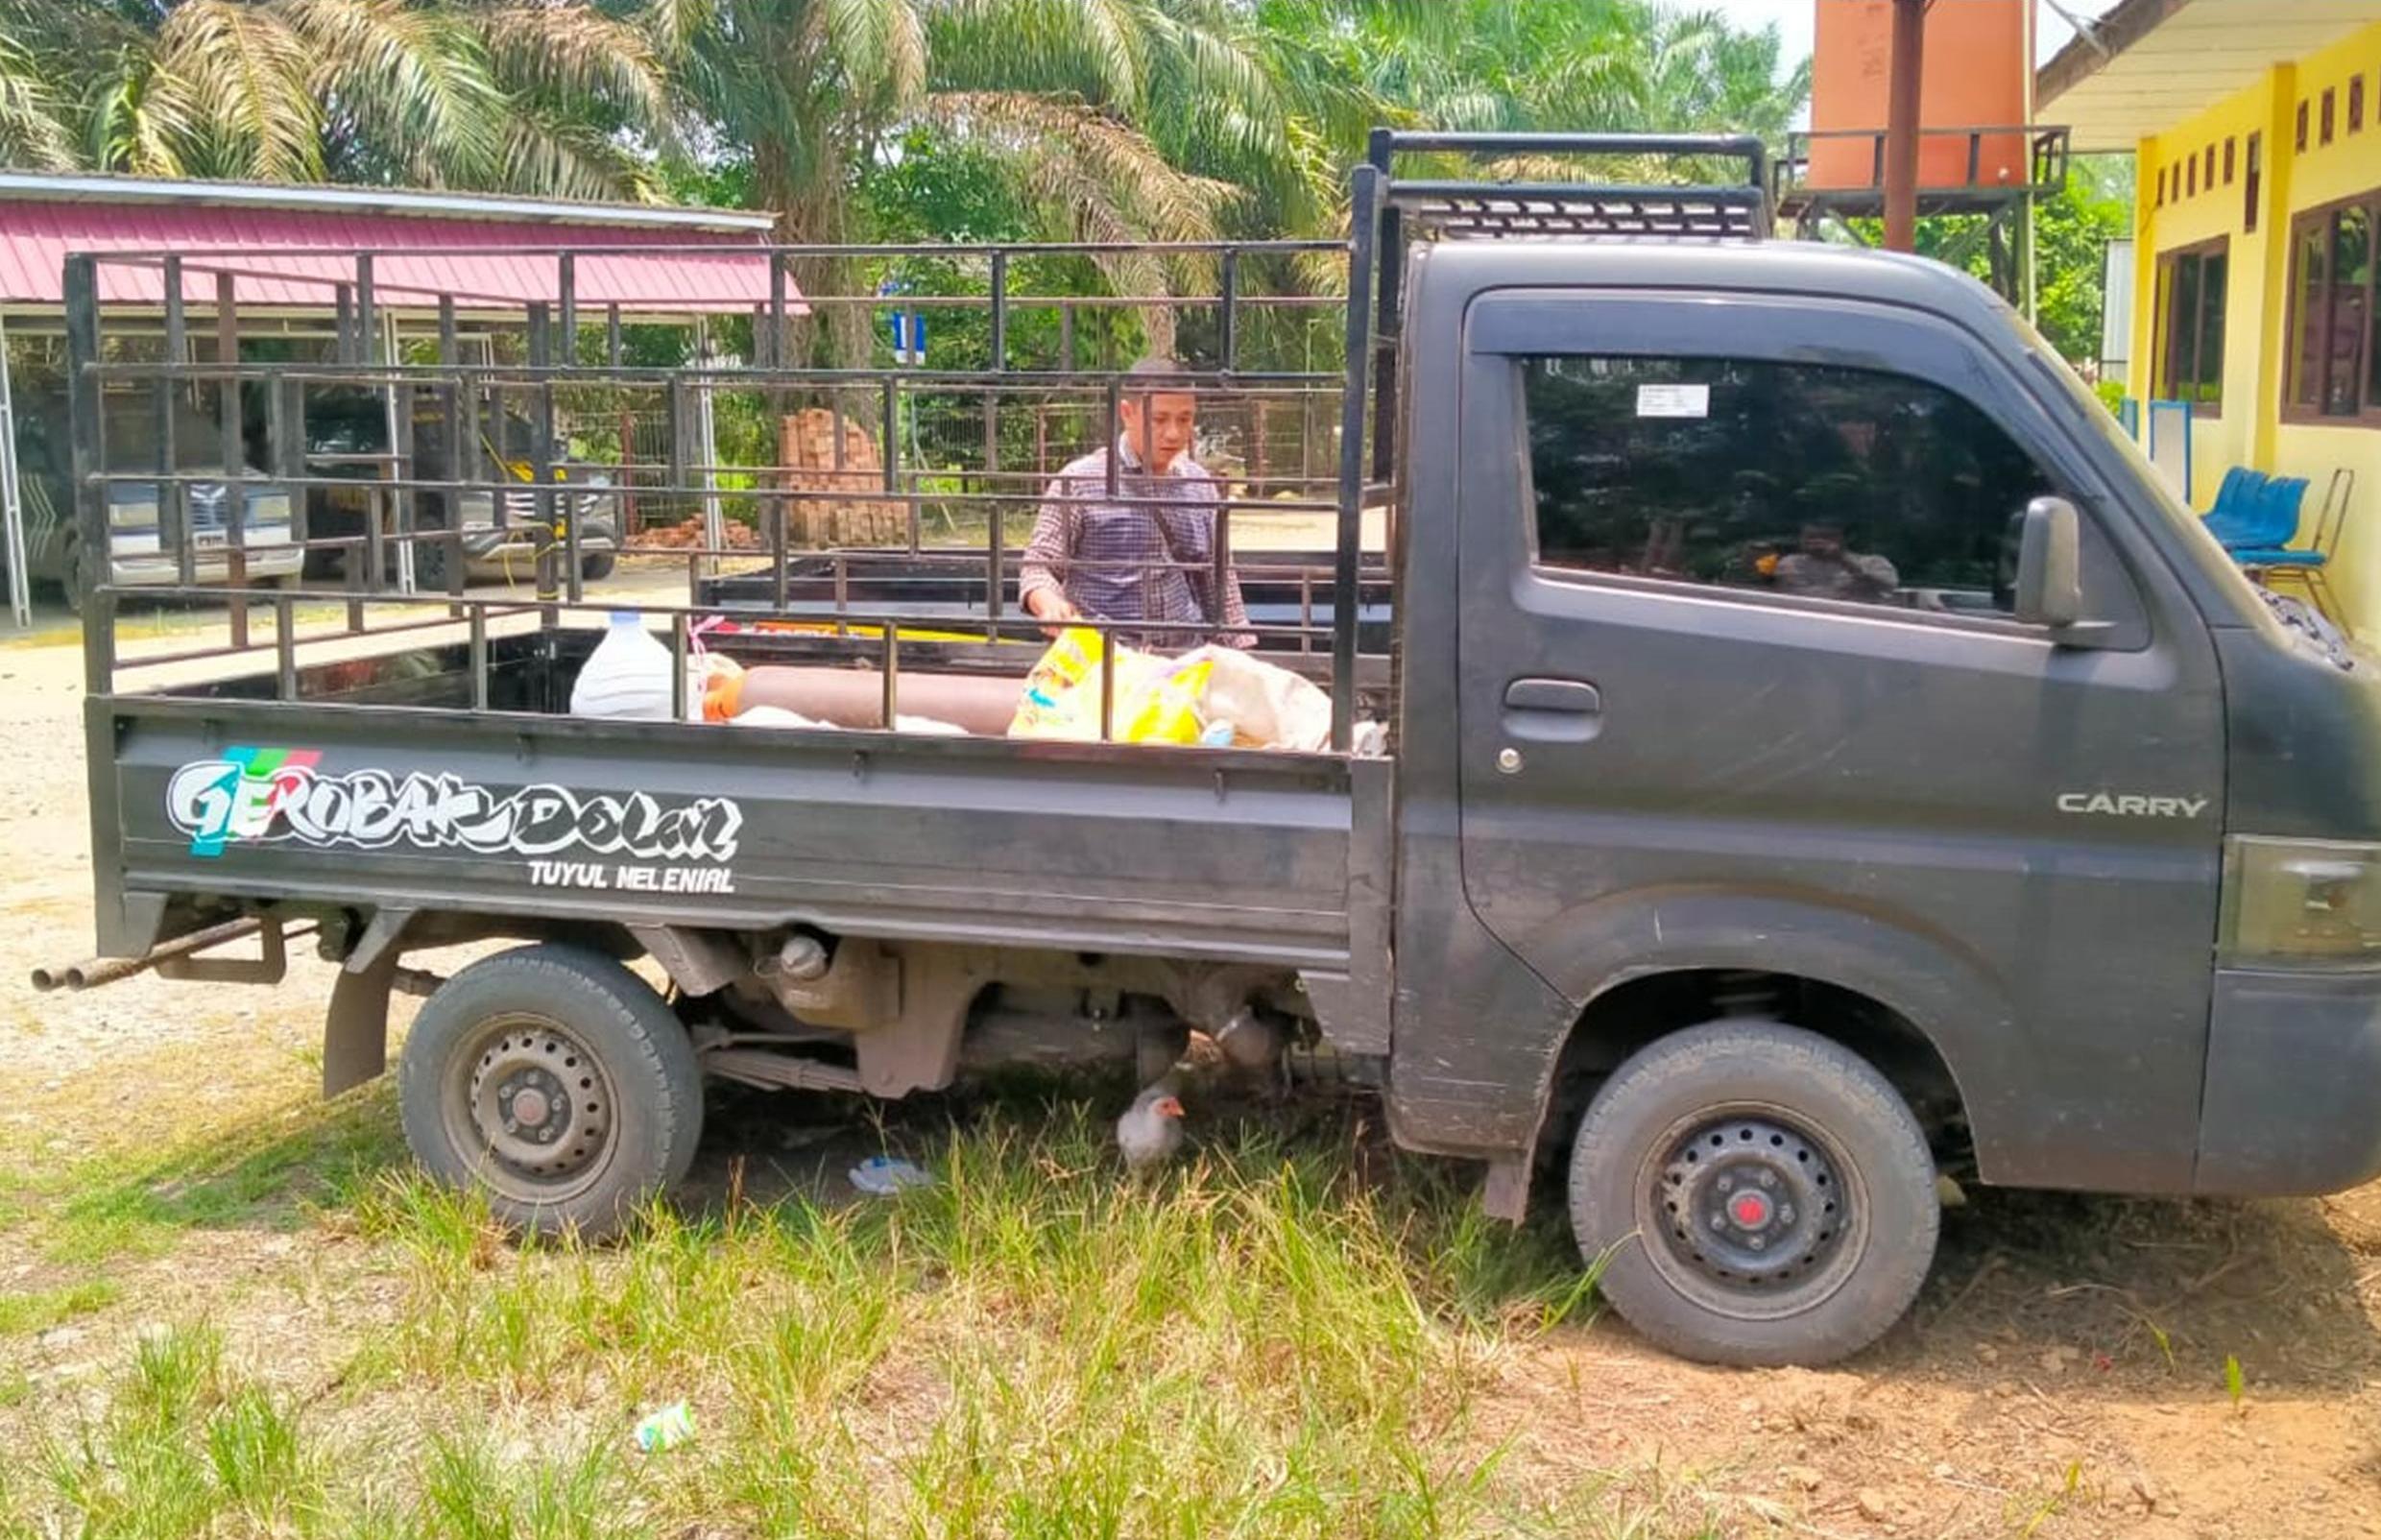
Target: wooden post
point(628, 470)
point(1901, 129)
point(1256, 457)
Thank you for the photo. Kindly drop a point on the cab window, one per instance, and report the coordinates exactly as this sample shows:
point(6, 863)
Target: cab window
point(1800, 479)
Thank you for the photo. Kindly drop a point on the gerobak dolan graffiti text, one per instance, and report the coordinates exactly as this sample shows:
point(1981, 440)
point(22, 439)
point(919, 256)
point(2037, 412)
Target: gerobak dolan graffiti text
point(264, 795)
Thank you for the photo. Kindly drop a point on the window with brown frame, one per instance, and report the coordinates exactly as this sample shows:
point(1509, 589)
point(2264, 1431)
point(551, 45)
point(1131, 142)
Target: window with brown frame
point(2230, 145)
point(2191, 176)
point(2302, 123)
point(2334, 329)
point(2356, 104)
point(2190, 285)
point(2207, 174)
point(2250, 183)
point(2331, 99)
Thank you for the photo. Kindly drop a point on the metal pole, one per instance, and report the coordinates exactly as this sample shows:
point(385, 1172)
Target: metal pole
point(1363, 235)
point(1901, 127)
point(706, 428)
point(90, 499)
point(231, 452)
point(399, 425)
point(11, 510)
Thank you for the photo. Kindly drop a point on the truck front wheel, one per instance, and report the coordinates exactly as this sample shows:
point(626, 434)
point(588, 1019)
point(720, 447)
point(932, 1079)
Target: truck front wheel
point(556, 1081)
point(1758, 1193)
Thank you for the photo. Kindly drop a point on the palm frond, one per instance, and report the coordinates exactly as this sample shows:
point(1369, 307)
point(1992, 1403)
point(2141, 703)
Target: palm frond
point(33, 133)
point(1092, 49)
point(236, 76)
point(135, 127)
point(672, 26)
point(551, 156)
point(414, 83)
point(881, 47)
point(576, 54)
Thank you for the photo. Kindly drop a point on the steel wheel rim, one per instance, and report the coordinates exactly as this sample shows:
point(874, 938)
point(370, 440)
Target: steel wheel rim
point(532, 1107)
point(1737, 1244)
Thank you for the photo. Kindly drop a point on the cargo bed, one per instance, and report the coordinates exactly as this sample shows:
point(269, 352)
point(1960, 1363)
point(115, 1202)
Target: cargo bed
point(1228, 855)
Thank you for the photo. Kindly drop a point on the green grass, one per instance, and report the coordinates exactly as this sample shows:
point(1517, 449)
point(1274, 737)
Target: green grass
point(267, 1172)
point(39, 1309)
point(1257, 1343)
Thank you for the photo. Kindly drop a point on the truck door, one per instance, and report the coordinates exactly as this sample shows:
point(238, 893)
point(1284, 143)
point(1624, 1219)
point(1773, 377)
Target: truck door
point(1741, 688)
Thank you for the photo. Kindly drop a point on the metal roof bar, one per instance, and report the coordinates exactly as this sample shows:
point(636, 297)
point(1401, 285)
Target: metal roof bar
point(56, 188)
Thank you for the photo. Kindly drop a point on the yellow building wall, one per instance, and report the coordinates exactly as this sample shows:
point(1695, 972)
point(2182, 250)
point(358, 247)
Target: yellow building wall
point(2226, 438)
point(2249, 430)
point(2348, 165)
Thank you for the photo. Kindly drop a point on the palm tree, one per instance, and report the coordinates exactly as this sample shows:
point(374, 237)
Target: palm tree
point(1098, 110)
point(506, 95)
point(31, 131)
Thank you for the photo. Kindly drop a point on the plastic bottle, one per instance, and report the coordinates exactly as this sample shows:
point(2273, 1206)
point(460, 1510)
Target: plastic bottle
point(628, 675)
point(666, 1429)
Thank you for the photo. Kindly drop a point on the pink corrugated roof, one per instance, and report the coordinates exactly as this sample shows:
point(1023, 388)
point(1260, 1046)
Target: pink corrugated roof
point(291, 256)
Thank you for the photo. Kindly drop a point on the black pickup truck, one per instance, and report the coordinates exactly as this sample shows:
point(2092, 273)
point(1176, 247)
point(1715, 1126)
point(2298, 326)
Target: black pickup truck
point(1820, 755)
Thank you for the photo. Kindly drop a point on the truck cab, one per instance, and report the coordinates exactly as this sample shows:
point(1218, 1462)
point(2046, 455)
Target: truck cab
point(1764, 715)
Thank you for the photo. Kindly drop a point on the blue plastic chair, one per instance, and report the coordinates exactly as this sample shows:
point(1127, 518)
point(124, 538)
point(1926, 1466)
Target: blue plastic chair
point(2276, 559)
point(2233, 521)
point(2268, 519)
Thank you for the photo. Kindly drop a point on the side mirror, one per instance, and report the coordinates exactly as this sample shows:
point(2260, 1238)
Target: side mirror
point(2049, 565)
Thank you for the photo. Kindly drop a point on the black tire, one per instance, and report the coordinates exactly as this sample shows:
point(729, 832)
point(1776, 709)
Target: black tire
point(618, 1093)
point(1760, 1196)
point(598, 567)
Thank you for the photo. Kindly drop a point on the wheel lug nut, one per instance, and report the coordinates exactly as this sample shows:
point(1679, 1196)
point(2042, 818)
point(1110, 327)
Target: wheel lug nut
point(1719, 1221)
point(1756, 1242)
point(1767, 1180)
point(1786, 1213)
point(1726, 1184)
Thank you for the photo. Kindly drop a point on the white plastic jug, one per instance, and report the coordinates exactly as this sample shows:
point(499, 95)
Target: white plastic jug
point(628, 675)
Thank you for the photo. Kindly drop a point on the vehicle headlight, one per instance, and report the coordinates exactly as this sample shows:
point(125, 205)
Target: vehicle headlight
point(2301, 900)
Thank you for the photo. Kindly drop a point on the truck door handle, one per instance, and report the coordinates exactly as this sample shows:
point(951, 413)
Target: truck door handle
point(1552, 711)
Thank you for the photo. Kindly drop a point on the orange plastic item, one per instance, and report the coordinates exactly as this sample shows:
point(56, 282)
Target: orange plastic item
point(1975, 75)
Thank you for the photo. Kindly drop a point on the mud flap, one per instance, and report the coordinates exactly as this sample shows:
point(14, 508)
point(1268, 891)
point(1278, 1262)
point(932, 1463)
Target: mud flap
point(355, 1030)
point(1506, 1194)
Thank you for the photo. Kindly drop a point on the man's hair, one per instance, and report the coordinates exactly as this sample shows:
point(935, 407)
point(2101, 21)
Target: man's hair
point(1158, 374)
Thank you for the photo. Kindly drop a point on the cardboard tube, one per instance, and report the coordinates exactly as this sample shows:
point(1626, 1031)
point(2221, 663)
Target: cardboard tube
point(854, 698)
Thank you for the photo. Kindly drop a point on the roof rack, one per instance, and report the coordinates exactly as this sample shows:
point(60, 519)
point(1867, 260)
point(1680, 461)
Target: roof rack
point(1738, 209)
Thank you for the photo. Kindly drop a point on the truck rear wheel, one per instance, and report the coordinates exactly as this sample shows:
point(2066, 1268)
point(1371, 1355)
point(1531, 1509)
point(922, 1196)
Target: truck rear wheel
point(556, 1081)
point(1762, 1195)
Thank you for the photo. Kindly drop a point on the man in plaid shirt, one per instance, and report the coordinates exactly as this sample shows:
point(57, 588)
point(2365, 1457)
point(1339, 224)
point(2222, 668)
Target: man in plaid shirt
point(1150, 554)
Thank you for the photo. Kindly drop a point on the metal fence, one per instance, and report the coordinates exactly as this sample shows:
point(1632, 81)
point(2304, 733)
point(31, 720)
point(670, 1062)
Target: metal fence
point(922, 409)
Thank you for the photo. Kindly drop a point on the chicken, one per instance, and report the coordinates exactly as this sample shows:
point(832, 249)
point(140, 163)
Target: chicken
point(1150, 1131)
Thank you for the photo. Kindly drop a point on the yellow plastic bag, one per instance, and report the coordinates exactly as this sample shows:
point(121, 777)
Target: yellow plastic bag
point(1157, 699)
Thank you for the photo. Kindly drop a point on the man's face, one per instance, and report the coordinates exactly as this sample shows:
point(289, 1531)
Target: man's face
point(1821, 540)
point(1158, 427)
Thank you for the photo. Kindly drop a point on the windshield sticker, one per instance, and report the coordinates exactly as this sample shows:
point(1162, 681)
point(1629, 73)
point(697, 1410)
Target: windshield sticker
point(270, 795)
point(1674, 400)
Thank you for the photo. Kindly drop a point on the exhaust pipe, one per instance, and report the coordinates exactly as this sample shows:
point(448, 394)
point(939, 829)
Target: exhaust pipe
point(92, 971)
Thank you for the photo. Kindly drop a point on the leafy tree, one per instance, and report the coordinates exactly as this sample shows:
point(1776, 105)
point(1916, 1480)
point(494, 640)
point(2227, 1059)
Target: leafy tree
point(529, 96)
point(2071, 233)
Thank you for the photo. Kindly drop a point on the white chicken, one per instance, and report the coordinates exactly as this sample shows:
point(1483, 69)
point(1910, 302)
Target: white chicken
point(1150, 1131)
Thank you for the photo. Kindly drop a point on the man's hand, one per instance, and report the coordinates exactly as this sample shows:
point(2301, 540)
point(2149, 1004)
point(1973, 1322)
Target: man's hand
point(1052, 606)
